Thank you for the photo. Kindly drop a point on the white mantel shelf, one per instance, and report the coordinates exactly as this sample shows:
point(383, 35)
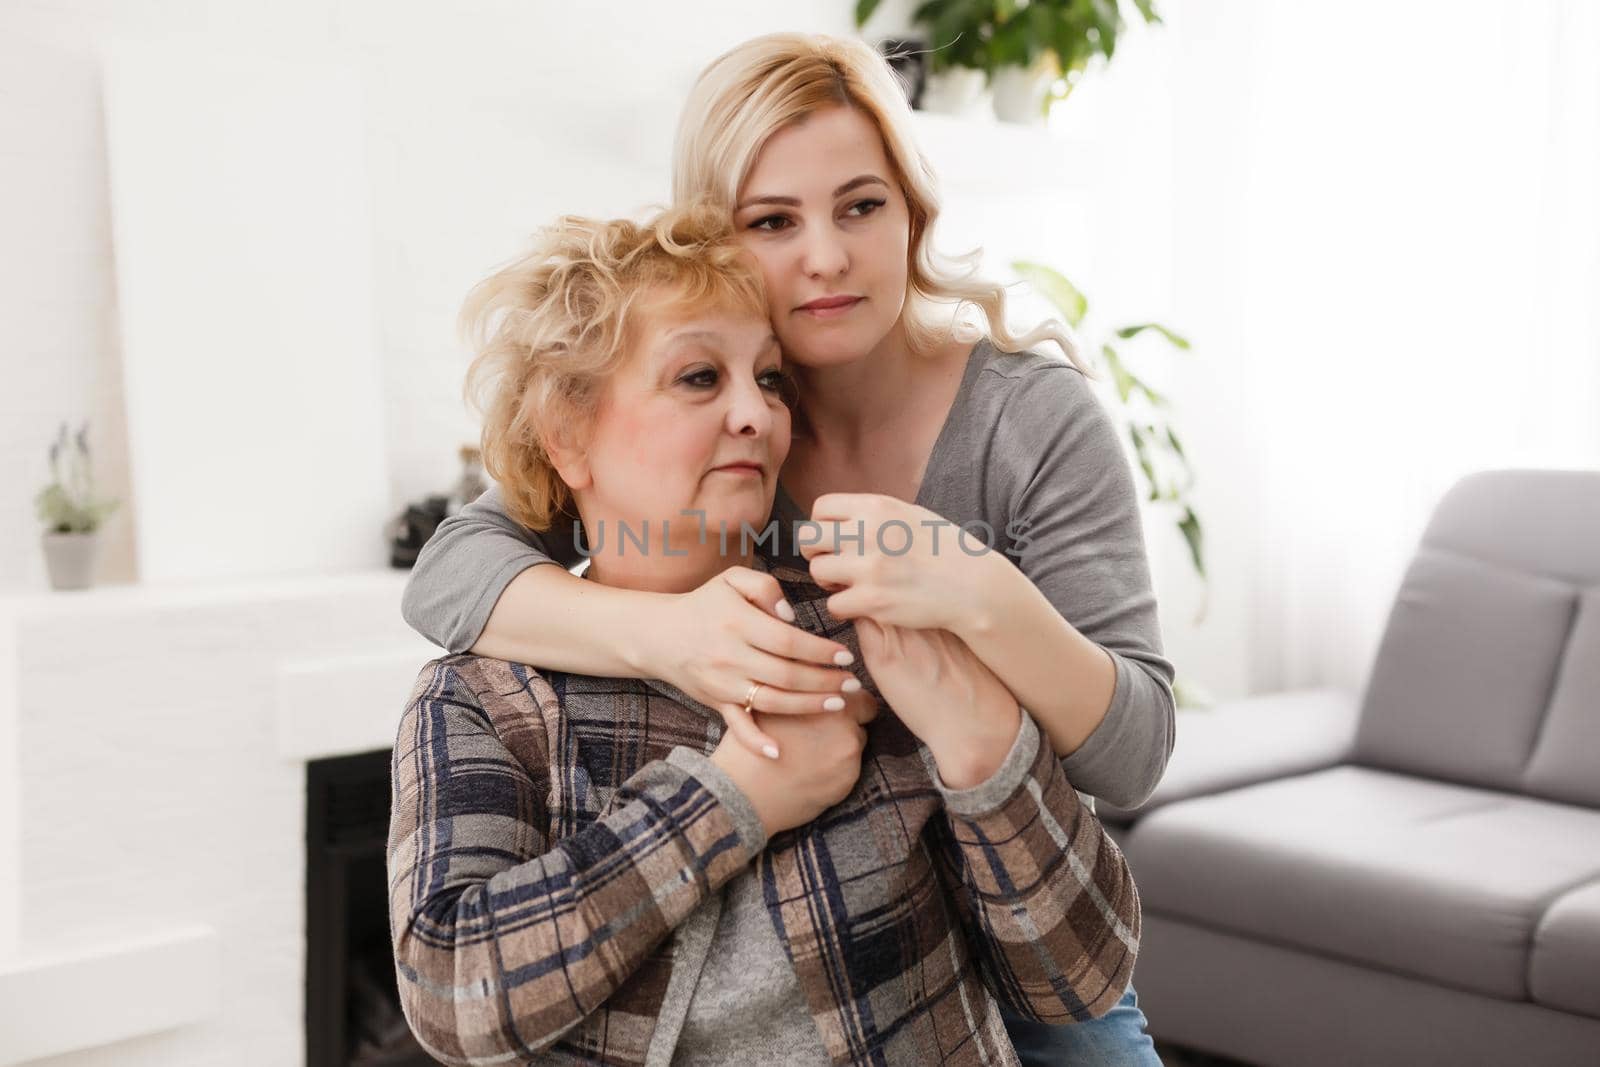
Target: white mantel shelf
point(80, 999)
point(111, 599)
point(153, 743)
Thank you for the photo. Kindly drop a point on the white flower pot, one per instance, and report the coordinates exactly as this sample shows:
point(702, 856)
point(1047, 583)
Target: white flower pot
point(1019, 94)
point(959, 91)
point(70, 559)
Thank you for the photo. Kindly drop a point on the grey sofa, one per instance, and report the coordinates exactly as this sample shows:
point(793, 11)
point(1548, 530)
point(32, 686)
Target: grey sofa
point(1414, 877)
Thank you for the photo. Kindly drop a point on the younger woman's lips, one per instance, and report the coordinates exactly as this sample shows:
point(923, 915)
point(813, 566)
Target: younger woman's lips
point(834, 311)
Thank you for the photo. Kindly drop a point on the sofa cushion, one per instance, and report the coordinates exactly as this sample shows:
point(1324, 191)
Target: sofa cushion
point(1250, 740)
point(1566, 762)
point(1565, 972)
point(1428, 879)
point(1542, 522)
point(1463, 676)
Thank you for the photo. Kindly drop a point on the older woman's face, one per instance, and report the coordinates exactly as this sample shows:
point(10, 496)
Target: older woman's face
point(694, 421)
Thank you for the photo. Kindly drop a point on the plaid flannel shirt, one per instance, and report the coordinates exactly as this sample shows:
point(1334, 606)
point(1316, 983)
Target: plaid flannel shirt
point(551, 848)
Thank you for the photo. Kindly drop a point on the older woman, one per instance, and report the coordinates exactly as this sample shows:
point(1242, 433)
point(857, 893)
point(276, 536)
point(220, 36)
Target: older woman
point(589, 869)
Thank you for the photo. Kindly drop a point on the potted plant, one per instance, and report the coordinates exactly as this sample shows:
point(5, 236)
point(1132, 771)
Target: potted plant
point(1145, 416)
point(957, 61)
point(71, 512)
point(1030, 52)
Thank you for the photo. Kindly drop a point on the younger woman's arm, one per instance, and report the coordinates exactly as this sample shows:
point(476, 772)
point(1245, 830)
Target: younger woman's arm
point(467, 564)
point(1061, 609)
point(484, 583)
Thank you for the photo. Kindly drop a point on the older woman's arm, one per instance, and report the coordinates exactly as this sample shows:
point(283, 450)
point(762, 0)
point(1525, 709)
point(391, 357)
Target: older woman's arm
point(1046, 898)
point(1044, 894)
point(504, 940)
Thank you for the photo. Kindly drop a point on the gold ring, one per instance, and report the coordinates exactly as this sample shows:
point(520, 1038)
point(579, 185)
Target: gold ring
point(750, 697)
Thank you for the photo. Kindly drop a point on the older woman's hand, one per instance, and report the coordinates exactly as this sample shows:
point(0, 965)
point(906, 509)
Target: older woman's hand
point(946, 696)
point(820, 765)
point(898, 563)
point(735, 632)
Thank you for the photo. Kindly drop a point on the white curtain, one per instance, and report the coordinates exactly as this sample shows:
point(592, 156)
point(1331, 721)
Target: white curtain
point(1415, 281)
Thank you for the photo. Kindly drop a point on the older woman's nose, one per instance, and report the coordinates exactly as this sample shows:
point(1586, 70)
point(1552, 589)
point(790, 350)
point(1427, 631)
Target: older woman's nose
point(750, 411)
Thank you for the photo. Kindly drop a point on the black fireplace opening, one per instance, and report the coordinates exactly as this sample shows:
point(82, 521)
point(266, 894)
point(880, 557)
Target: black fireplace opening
point(353, 1016)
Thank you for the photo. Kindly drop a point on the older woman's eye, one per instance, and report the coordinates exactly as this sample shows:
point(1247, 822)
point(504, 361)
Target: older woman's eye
point(704, 378)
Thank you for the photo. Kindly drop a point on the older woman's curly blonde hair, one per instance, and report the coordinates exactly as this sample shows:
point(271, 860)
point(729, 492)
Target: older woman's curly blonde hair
point(551, 327)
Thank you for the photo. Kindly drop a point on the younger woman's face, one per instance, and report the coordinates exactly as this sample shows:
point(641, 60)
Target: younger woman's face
point(823, 215)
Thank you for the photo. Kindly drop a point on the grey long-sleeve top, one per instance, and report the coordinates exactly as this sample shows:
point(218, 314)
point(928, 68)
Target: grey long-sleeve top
point(1026, 450)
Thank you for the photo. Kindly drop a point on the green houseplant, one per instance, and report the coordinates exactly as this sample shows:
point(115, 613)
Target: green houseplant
point(1145, 418)
point(71, 512)
point(1145, 413)
point(1031, 51)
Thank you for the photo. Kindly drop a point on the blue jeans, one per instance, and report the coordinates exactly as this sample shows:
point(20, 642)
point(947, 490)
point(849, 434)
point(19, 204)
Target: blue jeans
point(1116, 1039)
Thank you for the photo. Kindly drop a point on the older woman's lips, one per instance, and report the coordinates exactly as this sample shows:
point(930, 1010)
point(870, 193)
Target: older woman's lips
point(739, 468)
point(832, 307)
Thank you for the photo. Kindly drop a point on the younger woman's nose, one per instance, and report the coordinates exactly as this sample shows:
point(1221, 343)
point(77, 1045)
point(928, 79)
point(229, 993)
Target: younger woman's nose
point(824, 254)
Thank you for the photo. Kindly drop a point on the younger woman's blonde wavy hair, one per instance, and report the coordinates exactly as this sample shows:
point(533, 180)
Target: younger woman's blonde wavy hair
point(550, 328)
point(768, 83)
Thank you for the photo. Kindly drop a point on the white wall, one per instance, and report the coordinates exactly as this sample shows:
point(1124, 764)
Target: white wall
point(481, 125)
point(484, 121)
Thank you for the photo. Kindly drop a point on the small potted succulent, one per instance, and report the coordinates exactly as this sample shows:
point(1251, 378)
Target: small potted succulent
point(71, 512)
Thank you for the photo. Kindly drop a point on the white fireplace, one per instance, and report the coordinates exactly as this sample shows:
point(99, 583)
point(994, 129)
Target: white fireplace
point(153, 811)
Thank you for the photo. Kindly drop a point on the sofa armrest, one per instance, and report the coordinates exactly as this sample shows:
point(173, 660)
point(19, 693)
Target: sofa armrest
point(1242, 742)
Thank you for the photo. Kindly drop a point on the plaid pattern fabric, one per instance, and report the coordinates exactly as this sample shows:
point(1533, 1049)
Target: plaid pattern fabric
point(543, 849)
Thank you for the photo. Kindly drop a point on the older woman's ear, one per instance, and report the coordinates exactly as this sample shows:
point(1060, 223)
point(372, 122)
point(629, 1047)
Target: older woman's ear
point(569, 458)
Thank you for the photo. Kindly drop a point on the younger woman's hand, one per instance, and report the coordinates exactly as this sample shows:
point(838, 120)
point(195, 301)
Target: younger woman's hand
point(736, 630)
point(945, 696)
point(909, 567)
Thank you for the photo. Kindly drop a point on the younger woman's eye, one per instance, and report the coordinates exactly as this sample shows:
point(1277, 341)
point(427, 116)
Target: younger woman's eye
point(769, 223)
point(869, 205)
point(781, 384)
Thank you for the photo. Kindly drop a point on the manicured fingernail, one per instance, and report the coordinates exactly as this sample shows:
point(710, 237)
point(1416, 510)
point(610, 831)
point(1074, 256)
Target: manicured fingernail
point(785, 612)
point(843, 658)
point(770, 751)
point(833, 704)
point(850, 685)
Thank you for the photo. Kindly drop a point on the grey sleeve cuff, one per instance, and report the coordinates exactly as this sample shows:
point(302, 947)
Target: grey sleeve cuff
point(751, 833)
point(989, 796)
point(466, 628)
point(1125, 757)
